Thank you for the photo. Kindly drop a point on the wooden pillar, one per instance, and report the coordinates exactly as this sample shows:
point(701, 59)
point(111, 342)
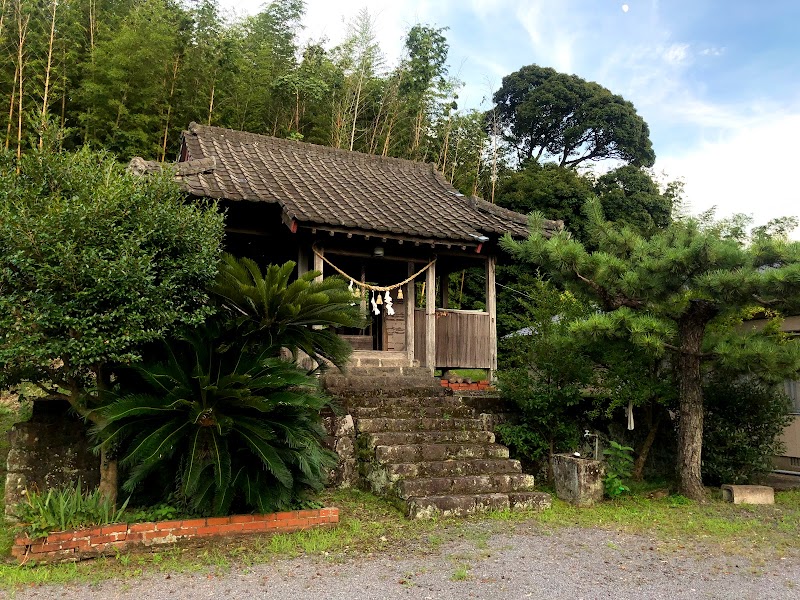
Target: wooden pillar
point(302, 261)
point(491, 308)
point(430, 318)
point(318, 264)
point(409, 303)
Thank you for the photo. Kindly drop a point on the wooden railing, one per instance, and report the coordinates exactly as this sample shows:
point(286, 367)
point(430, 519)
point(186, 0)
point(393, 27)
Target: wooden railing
point(463, 338)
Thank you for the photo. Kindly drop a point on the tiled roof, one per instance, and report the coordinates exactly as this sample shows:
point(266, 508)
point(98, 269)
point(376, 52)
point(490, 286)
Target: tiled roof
point(327, 187)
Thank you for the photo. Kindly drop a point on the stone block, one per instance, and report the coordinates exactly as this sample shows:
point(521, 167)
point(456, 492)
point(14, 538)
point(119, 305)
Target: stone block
point(578, 481)
point(748, 494)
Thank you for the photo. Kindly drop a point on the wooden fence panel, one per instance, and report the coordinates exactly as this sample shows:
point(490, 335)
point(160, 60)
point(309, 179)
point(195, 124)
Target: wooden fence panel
point(463, 339)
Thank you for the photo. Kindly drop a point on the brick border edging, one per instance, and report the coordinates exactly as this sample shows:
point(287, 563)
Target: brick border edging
point(111, 539)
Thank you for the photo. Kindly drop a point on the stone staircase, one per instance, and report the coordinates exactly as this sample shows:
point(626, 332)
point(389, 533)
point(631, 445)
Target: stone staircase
point(423, 447)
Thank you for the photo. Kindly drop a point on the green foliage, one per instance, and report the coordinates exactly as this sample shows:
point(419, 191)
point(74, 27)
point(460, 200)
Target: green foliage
point(63, 509)
point(744, 419)
point(238, 426)
point(619, 466)
point(94, 263)
point(547, 114)
point(543, 375)
point(270, 310)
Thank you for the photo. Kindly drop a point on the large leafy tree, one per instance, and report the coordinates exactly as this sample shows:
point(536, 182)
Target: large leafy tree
point(677, 293)
point(544, 114)
point(94, 263)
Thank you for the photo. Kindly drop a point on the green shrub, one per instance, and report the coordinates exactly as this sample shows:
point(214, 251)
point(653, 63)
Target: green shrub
point(740, 434)
point(63, 509)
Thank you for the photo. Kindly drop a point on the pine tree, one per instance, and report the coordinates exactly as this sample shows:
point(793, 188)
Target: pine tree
point(678, 293)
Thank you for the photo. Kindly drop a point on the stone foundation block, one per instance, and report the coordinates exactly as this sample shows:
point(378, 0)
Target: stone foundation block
point(748, 494)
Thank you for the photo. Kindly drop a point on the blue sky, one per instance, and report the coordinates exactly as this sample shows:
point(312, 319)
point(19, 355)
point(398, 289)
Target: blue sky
point(718, 81)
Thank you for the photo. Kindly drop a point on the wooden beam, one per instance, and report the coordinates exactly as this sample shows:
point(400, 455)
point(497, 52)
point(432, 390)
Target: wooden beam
point(318, 264)
point(409, 301)
point(430, 318)
point(491, 308)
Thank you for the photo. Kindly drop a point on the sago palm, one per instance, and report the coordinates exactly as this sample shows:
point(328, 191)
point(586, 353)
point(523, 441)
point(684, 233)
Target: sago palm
point(270, 310)
point(240, 427)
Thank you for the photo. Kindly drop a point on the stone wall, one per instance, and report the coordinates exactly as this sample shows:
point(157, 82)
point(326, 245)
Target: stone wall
point(50, 450)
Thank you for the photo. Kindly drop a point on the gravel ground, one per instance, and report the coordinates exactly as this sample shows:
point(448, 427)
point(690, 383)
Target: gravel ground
point(569, 564)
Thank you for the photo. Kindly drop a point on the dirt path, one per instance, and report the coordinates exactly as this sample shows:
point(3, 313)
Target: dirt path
point(564, 564)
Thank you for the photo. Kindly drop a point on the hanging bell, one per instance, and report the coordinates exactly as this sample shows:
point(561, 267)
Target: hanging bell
point(399, 293)
point(379, 300)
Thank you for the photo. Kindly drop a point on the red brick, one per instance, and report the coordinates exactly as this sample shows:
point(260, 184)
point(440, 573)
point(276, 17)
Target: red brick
point(282, 516)
point(24, 540)
point(334, 518)
point(205, 531)
point(142, 527)
point(230, 528)
point(256, 526)
point(42, 548)
point(116, 528)
point(109, 546)
point(61, 536)
point(185, 531)
point(19, 551)
point(134, 537)
point(193, 523)
point(150, 535)
point(242, 519)
point(217, 521)
point(161, 525)
point(103, 539)
point(267, 517)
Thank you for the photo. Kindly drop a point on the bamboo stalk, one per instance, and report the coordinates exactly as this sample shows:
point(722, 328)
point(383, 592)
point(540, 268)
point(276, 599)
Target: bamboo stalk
point(45, 96)
point(23, 33)
point(11, 107)
point(169, 107)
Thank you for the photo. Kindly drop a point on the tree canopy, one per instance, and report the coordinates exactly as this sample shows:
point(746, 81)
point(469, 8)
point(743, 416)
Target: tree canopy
point(95, 263)
point(546, 115)
point(678, 293)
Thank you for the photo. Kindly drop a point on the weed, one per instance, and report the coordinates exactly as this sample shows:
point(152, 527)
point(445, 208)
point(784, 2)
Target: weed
point(460, 574)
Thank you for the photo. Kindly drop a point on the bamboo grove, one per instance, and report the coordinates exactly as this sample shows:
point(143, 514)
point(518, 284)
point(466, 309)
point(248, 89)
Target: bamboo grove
point(129, 75)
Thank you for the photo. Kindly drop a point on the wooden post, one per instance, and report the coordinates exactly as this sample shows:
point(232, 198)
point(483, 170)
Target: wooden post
point(491, 308)
point(318, 264)
point(302, 261)
point(409, 301)
point(430, 318)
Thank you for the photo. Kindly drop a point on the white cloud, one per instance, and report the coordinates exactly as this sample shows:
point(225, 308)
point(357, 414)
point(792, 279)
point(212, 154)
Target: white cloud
point(676, 54)
point(749, 170)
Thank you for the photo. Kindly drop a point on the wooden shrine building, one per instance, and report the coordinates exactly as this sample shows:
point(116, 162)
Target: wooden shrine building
point(379, 221)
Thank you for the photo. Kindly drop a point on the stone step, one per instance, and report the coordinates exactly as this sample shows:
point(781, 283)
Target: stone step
point(395, 438)
point(447, 468)
point(414, 411)
point(391, 371)
point(357, 387)
point(426, 452)
point(466, 484)
point(380, 358)
point(390, 401)
point(383, 424)
point(428, 507)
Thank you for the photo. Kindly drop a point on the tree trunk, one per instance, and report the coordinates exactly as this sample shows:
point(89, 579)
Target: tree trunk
point(644, 450)
point(691, 328)
point(109, 478)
